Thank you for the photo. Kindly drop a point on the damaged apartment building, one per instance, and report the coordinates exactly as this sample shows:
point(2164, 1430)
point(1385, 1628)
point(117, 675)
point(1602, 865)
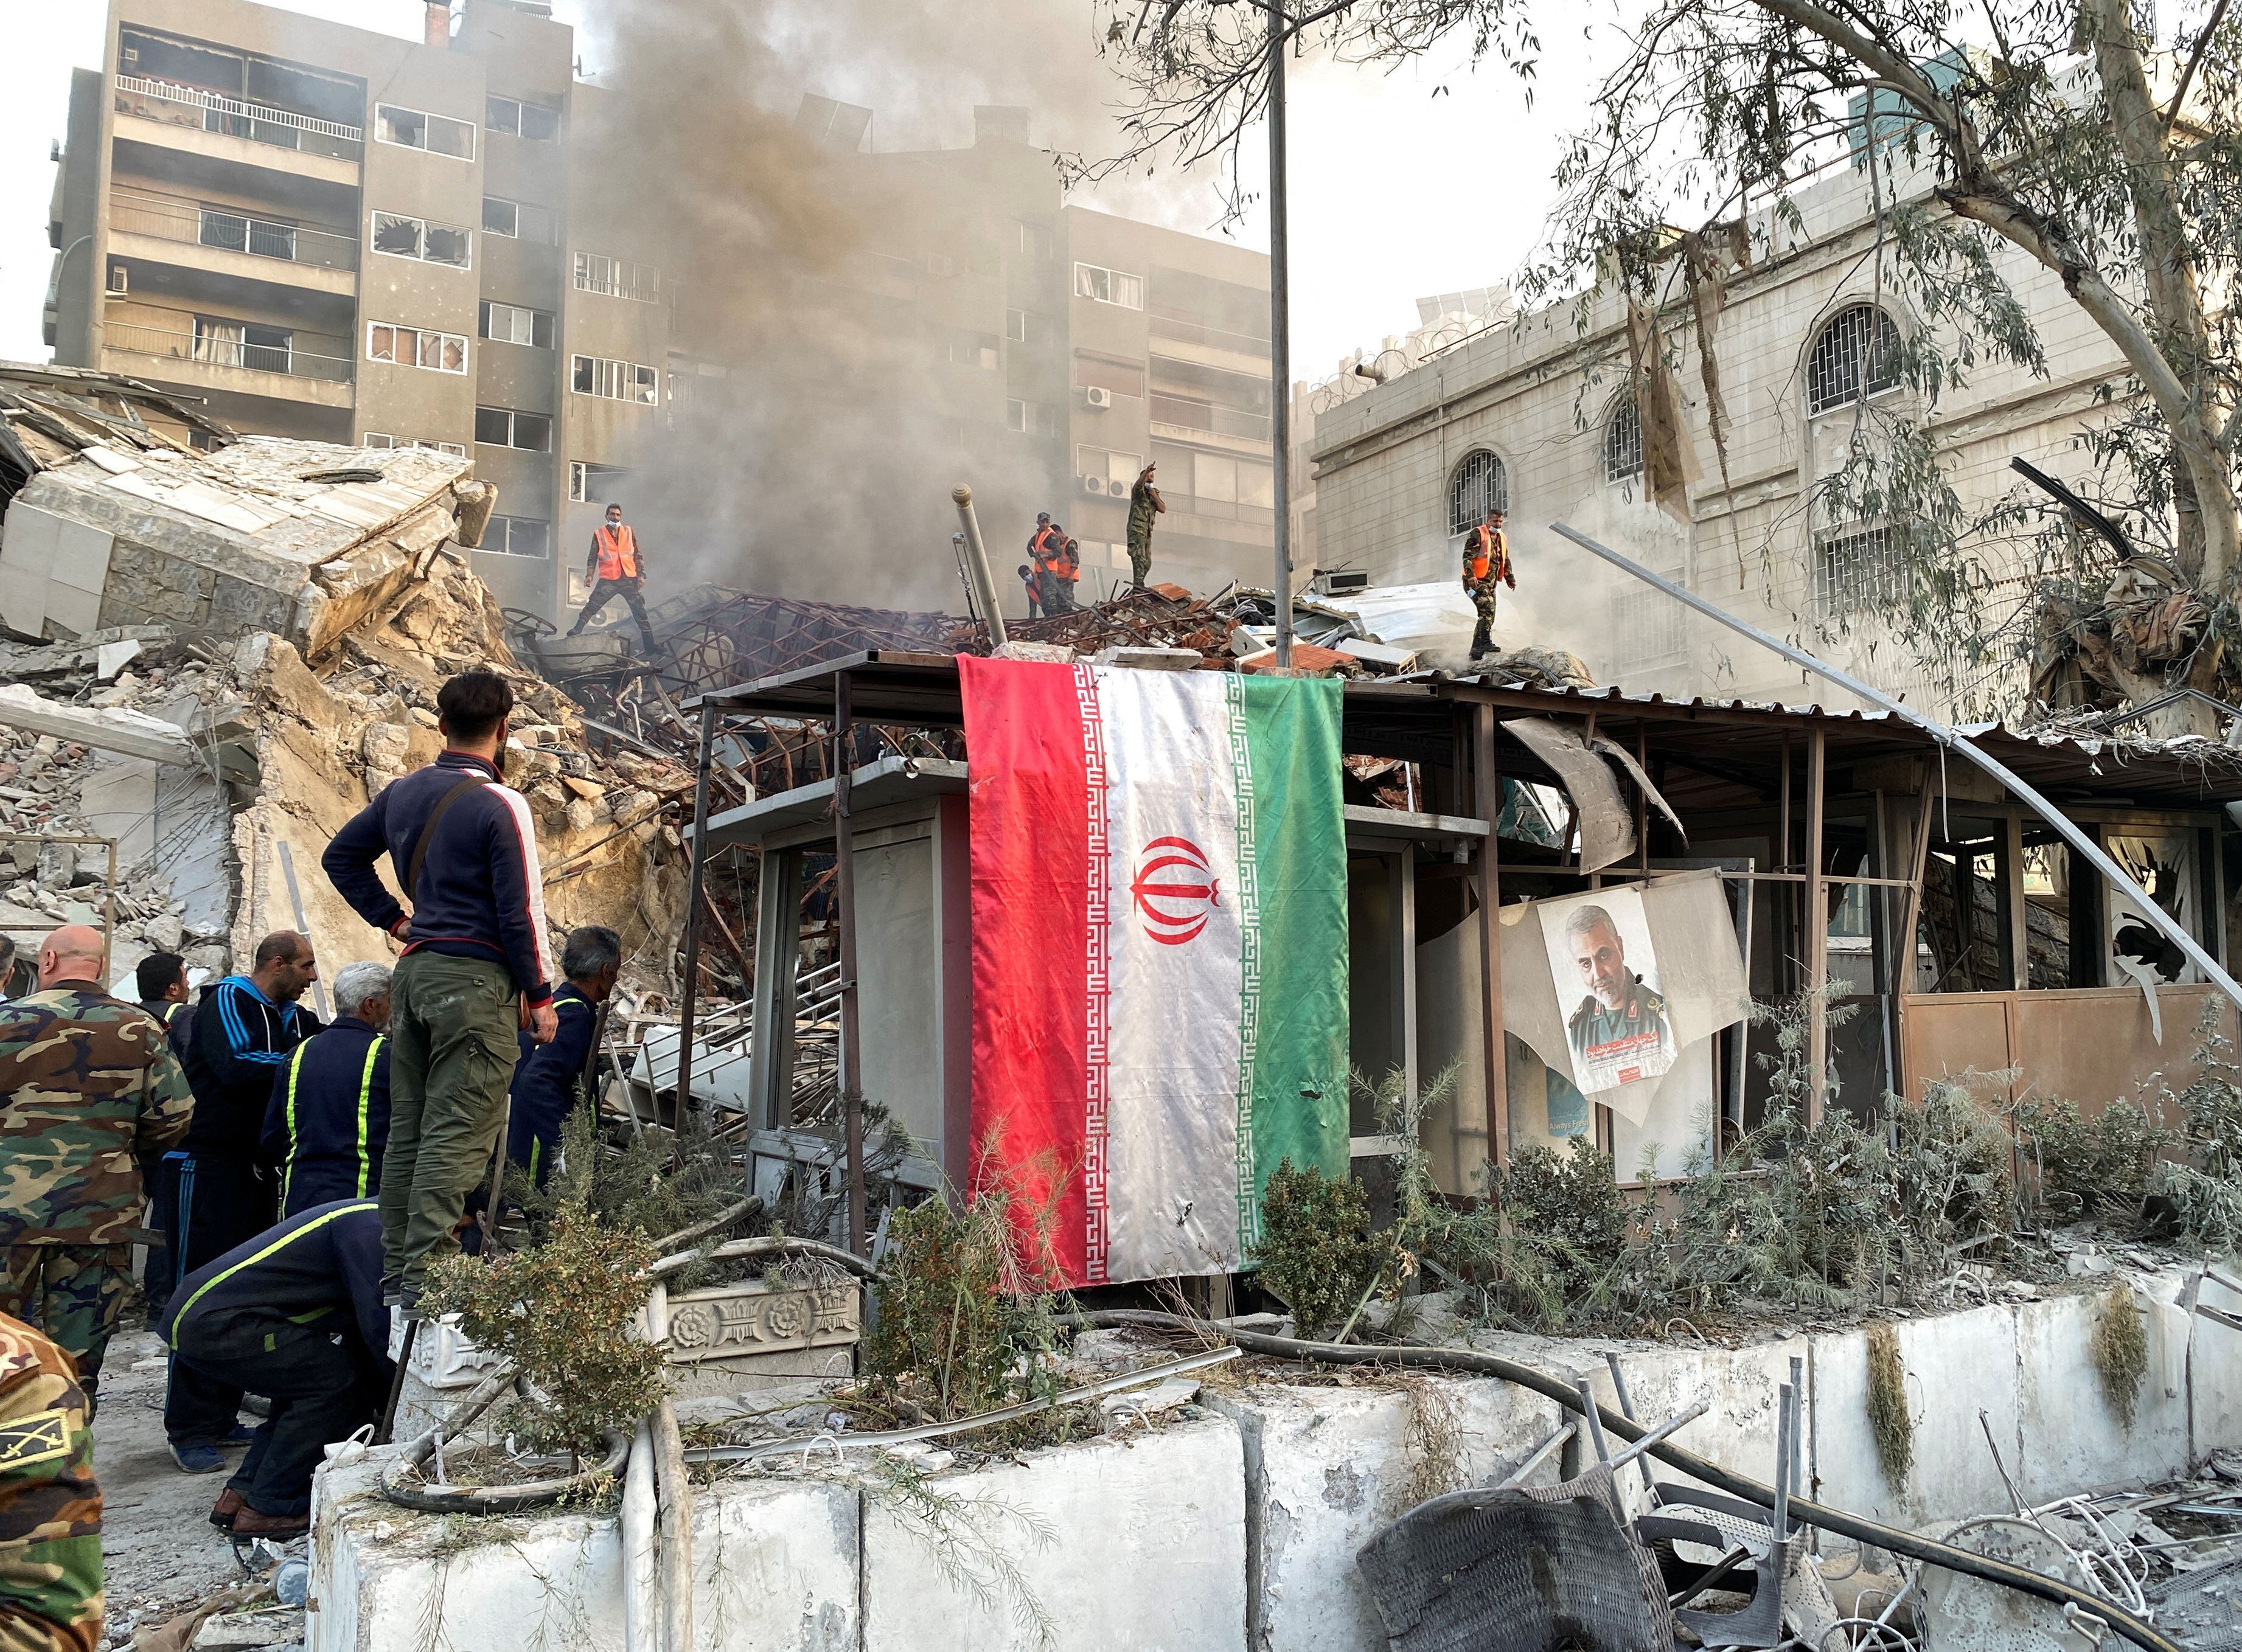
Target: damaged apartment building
point(333, 234)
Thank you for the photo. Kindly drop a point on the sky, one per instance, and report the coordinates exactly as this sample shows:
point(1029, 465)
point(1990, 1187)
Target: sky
point(1425, 179)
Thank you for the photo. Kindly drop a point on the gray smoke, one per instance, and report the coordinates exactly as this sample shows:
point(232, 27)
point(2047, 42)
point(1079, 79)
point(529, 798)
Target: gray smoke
point(822, 466)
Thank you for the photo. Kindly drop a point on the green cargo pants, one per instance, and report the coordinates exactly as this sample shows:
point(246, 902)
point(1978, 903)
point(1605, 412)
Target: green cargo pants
point(451, 1051)
point(74, 1293)
point(1140, 561)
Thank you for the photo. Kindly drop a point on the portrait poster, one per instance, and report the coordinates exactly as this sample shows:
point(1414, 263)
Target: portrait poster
point(1605, 964)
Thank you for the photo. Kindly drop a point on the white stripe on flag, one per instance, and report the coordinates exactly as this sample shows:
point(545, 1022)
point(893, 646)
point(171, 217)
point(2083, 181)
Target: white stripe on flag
point(1172, 1049)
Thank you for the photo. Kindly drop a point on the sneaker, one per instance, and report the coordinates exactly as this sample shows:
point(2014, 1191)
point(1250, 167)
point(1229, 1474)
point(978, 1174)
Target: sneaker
point(250, 1524)
point(197, 1460)
point(242, 1434)
point(227, 1509)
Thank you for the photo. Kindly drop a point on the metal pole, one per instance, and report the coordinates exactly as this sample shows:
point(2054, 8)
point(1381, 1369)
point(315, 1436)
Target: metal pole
point(696, 861)
point(845, 888)
point(976, 558)
point(295, 904)
point(2084, 845)
point(1280, 353)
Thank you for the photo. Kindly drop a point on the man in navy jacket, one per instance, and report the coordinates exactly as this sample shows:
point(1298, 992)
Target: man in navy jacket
point(550, 1076)
point(328, 1119)
point(245, 1028)
point(464, 850)
point(297, 1312)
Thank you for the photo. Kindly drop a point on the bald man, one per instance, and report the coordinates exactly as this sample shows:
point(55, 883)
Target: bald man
point(90, 1098)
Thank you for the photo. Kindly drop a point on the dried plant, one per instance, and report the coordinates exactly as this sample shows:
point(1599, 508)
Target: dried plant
point(2120, 1350)
point(1890, 1422)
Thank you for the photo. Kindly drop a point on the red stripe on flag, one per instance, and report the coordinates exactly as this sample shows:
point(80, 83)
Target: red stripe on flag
point(1028, 780)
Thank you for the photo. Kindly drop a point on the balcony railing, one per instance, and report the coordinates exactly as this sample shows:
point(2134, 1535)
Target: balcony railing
point(211, 226)
point(1162, 326)
point(221, 348)
point(177, 106)
point(1198, 416)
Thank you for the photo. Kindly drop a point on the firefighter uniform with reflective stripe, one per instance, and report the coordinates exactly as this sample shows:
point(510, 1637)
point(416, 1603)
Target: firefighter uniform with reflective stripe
point(547, 1083)
point(329, 1116)
point(1486, 564)
point(616, 571)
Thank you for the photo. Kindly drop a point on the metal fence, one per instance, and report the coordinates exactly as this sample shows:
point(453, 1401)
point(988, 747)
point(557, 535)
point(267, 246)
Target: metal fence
point(177, 106)
point(210, 226)
point(231, 346)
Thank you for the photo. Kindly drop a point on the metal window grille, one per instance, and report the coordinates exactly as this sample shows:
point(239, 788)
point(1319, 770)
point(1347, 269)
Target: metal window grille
point(1647, 628)
point(1856, 357)
point(1623, 441)
point(1478, 485)
point(1858, 571)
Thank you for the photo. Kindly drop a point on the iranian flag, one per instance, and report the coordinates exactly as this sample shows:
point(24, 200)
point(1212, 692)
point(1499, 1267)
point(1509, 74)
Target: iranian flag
point(1159, 954)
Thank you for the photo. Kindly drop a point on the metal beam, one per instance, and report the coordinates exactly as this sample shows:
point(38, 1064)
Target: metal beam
point(2080, 842)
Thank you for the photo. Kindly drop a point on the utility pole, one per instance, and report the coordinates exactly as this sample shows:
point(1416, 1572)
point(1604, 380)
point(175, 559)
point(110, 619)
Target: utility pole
point(1280, 353)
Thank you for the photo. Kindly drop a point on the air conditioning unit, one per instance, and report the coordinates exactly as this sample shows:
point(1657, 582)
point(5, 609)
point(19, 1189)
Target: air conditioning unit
point(1093, 484)
point(1096, 396)
point(118, 278)
point(1341, 581)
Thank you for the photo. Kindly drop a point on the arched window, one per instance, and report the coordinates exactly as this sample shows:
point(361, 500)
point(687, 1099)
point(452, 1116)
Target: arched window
point(1623, 441)
point(1856, 357)
point(1478, 486)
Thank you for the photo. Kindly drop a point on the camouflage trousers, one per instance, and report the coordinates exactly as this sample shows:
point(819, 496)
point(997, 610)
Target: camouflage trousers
point(74, 1295)
point(1483, 633)
point(1140, 561)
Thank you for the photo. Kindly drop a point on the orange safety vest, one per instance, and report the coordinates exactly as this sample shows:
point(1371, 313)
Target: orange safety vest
point(1068, 564)
point(1488, 549)
point(1043, 551)
point(618, 552)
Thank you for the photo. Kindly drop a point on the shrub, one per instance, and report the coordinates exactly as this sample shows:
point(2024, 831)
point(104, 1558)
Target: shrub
point(956, 1332)
point(1316, 1253)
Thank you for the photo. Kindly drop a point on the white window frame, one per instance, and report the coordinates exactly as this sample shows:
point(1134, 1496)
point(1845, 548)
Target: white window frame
point(614, 380)
point(421, 226)
point(580, 480)
point(383, 439)
point(513, 415)
point(513, 234)
point(394, 328)
point(1025, 417)
point(615, 278)
point(1101, 285)
point(486, 311)
point(382, 111)
point(504, 527)
point(518, 104)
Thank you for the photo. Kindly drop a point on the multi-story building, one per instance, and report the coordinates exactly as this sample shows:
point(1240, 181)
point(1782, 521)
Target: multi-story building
point(328, 232)
point(1535, 412)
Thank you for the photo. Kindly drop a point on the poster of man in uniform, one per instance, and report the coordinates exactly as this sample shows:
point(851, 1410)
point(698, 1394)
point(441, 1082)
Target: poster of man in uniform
point(1601, 955)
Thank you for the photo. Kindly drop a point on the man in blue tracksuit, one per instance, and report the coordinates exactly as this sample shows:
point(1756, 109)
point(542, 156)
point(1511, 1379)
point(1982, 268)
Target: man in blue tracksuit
point(245, 1028)
point(464, 851)
point(328, 1119)
point(551, 1076)
point(296, 1313)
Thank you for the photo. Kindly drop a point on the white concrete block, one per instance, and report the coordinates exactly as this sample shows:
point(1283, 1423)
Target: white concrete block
point(2072, 1440)
point(1137, 1541)
point(1327, 1467)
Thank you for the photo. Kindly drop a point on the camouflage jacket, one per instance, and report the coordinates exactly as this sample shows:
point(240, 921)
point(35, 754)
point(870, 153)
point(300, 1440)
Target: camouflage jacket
point(50, 1504)
point(89, 1090)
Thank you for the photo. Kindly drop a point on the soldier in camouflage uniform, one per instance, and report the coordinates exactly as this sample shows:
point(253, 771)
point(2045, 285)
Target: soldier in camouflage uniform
point(50, 1504)
point(1486, 564)
point(91, 1098)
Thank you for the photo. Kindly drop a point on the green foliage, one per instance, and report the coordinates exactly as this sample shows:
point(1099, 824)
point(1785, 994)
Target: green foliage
point(561, 1312)
point(1890, 1422)
point(1564, 1237)
point(1316, 1253)
point(2095, 1166)
point(954, 1326)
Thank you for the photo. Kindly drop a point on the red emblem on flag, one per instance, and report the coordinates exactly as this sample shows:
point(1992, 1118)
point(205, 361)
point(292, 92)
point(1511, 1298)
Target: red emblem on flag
point(1175, 890)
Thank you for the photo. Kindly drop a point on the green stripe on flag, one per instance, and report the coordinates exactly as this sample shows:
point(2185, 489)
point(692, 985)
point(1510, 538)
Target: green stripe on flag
point(1300, 1099)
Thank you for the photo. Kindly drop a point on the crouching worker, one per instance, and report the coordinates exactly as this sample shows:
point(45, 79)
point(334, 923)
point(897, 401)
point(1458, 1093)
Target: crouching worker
point(295, 1314)
point(551, 1076)
point(329, 1115)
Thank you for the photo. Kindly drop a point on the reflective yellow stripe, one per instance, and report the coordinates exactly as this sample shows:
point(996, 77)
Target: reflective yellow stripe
point(365, 1097)
point(288, 1168)
point(282, 1243)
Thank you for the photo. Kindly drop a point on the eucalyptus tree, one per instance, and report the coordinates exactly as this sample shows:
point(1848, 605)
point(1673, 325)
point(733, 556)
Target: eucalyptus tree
point(2088, 137)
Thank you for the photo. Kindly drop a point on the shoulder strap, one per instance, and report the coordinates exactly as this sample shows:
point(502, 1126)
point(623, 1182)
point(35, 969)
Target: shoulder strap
point(428, 832)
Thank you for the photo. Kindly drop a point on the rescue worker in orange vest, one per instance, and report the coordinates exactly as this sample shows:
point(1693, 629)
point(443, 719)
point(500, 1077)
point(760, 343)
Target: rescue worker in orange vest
point(1042, 553)
point(616, 569)
point(1066, 574)
point(1035, 603)
point(1486, 561)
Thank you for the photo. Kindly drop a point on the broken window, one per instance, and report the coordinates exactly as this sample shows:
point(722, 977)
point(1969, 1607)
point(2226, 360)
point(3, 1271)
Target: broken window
point(1031, 241)
point(1856, 357)
point(500, 218)
point(519, 119)
point(591, 484)
point(506, 427)
point(1479, 482)
point(398, 236)
point(516, 536)
point(1623, 441)
point(444, 352)
point(1108, 286)
point(412, 128)
point(448, 244)
point(616, 277)
point(621, 381)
